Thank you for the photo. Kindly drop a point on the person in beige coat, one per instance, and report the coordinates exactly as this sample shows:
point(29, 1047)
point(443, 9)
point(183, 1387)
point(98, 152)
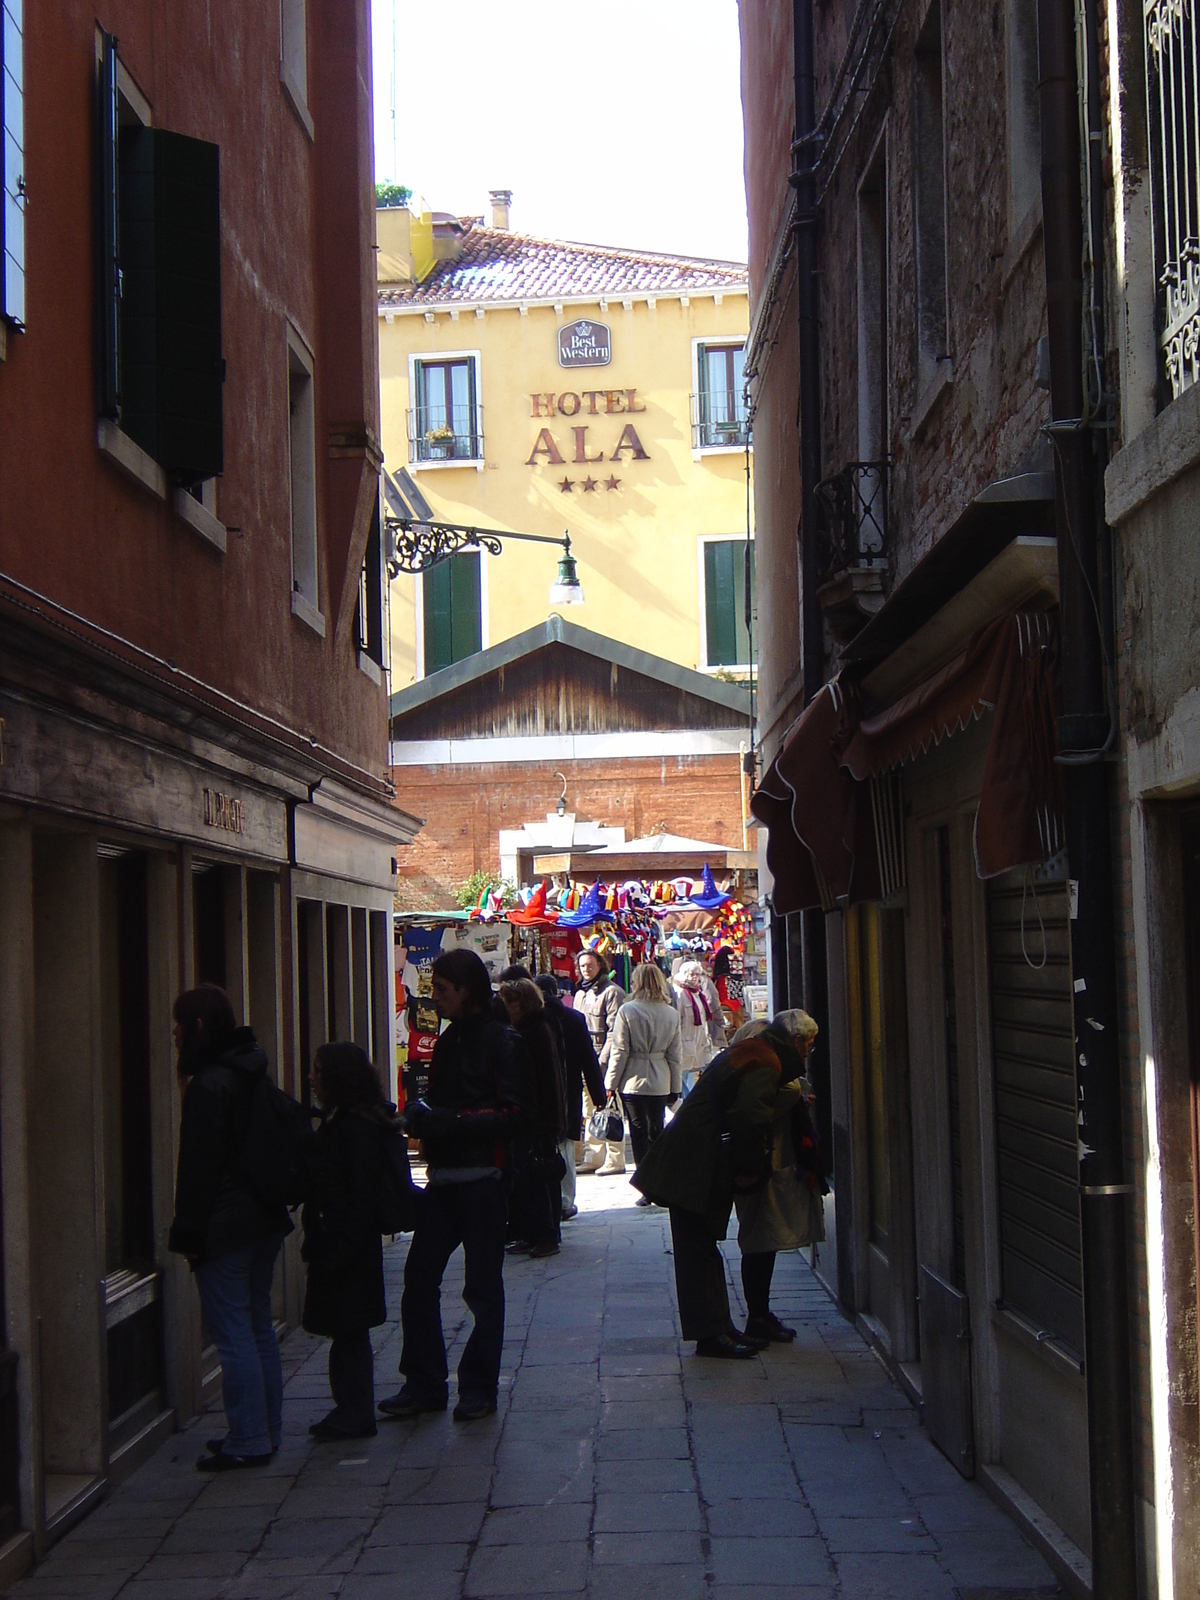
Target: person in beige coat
point(701, 1025)
point(599, 999)
point(645, 1065)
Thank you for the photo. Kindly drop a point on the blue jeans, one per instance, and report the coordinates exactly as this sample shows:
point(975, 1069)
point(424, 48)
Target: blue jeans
point(235, 1296)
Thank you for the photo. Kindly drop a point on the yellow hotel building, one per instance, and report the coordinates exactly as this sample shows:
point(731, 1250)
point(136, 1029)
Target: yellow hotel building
point(542, 386)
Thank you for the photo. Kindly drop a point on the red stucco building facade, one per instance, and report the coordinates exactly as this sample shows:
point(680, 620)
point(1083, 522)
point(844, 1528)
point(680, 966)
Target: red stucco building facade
point(193, 719)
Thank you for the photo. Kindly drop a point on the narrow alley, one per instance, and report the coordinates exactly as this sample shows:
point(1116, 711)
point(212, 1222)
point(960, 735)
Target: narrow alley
point(618, 1465)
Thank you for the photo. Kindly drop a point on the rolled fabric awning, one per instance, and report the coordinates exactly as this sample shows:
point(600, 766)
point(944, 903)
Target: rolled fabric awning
point(825, 840)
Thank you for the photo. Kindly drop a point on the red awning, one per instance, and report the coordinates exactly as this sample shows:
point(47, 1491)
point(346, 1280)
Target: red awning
point(822, 827)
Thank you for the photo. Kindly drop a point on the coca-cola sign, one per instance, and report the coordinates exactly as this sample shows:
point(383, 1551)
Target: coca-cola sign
point(584, 344)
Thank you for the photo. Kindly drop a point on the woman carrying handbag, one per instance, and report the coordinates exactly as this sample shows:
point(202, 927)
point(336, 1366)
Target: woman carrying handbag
point(645, 1066)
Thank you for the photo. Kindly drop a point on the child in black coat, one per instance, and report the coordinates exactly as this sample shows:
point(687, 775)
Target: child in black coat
point(343, 1245)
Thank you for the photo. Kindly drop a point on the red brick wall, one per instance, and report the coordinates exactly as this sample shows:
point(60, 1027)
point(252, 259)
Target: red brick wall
point(466, 806)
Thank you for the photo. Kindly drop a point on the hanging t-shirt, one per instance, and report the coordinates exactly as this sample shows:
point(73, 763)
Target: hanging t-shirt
point(422, 947)
point(489, 941)
point(564, 945)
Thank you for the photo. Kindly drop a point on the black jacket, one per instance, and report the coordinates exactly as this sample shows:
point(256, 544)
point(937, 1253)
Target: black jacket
point(579, 1060)
point(342, 1242)
point(216, 1206)
point(479, 1093)
point(549, 1118)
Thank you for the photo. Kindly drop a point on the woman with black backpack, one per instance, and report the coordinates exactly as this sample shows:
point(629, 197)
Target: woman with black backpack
point(343, 1243)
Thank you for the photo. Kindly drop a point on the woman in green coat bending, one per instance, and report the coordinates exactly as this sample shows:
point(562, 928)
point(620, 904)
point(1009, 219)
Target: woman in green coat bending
point(719, 1145)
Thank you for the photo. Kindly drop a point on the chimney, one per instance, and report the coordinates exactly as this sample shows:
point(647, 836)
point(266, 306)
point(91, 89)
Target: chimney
point(501, 206)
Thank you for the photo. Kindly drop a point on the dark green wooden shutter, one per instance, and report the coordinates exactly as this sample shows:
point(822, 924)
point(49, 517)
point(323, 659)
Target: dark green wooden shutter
point(188, 271)
point(453, 618)
point(1037, 1147)
point(138, 347)
point(467, 624)
point(170, 254)
point(108, 266)
point(725, 593)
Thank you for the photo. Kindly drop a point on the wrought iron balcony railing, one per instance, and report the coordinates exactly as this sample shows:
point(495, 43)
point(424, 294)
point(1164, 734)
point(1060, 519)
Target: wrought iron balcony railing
point(853, 524)
point(719, 420)
point(1173, 103)
point(445, 433)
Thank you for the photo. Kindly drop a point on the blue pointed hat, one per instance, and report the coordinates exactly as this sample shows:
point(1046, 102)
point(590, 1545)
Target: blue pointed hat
point(710, 897)
point(590, 909)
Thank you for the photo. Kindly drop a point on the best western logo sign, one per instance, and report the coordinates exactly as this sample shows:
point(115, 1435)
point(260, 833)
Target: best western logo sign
point(584, 344)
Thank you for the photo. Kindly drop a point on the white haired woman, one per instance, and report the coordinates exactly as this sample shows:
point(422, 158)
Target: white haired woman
point(786, 1212)
point(645, 1066)
point(701, 1025)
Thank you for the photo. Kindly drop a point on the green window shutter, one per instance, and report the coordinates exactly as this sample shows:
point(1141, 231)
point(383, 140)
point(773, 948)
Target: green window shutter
point(453, 621)
point(466, 623)
point(170, 252)
point(438, 640)
point(725, 582)
point(188, 291)
point(108, 278)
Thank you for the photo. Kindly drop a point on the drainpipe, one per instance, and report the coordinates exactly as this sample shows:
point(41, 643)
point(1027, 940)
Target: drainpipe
point(813, 952)
point(1085, 735)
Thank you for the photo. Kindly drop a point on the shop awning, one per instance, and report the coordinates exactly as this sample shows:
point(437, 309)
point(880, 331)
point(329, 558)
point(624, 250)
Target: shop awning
point(835, 828)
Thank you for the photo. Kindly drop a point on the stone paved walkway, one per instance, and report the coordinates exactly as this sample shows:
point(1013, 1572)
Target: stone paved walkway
point(618, 1465)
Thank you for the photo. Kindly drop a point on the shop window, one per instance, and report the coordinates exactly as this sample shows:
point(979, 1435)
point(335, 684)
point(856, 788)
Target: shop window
point(12, 117)
point(452, 611)
point(728, 578)
point(444, 422)
point(303, 470)
point(1024, 120)
point(718, 402)
point(930, 195)
point(159, 283)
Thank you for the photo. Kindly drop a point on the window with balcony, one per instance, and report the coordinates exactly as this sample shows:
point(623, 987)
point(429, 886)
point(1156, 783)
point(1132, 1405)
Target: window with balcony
point(12, 131)
point(727, 581)
point(444, 421)
point(718, 405)
point(1173, 115)
point(452, 611)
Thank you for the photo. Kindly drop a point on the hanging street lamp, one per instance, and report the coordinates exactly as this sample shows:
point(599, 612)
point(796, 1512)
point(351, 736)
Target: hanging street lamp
point(415, 546)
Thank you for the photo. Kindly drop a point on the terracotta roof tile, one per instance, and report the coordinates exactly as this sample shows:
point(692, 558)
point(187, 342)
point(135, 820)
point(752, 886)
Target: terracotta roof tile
point(496, 265)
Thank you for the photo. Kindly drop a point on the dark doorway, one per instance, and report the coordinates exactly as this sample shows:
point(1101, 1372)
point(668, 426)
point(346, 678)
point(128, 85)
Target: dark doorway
point(208, 923)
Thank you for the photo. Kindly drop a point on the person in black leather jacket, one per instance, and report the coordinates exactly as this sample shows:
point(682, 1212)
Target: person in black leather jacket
point(478, 1100)
point(582, 1068)
point(230, 1235)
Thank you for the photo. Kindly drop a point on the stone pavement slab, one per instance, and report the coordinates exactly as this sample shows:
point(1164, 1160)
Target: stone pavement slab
point(618, 1466)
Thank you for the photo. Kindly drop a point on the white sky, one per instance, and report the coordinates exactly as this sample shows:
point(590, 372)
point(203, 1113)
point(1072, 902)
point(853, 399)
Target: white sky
point(618, 123)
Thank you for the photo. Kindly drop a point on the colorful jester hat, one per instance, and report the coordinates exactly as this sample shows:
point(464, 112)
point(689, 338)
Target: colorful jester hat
point(487, 907)
point(710, 897)
point(533, 914)
point(590, 909)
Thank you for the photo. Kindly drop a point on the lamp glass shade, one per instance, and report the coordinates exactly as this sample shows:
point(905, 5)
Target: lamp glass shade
point(566, 590)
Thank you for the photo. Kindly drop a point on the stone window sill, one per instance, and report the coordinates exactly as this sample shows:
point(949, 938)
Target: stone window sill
point(131, 459)
point(939, 381)
point(370, 668)
point(188, 509)
point(308, 613)
point(1163, 451)
point(294, 96)
point(1023, 1332)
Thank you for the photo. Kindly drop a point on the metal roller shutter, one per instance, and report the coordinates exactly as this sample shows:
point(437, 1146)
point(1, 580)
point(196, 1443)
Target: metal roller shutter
point(1029, 952)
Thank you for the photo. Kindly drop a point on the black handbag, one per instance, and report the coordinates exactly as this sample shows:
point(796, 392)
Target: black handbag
point(614, 1127)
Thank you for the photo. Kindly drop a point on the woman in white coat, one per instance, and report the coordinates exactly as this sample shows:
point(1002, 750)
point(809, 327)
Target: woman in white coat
point(701, 1025)
point(645, 1063)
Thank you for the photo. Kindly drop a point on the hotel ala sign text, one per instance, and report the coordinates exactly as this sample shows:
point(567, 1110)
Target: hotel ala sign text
point(588, 403)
